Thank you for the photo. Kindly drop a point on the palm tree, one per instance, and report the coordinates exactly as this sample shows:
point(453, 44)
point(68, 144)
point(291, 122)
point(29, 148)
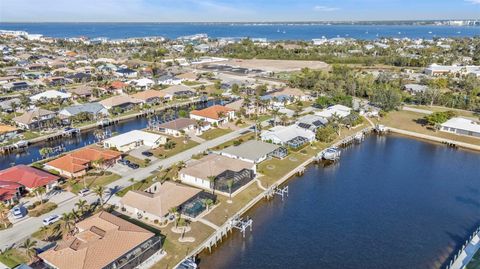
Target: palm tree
point(3, 215)
point(82, 206)
point(275, 114)
point(208, 203)
point(230, 185)
point(39, 192)
point(99, 190)
point(174, 211)
point(212, 182)
point(29, 246)
point(67, 224)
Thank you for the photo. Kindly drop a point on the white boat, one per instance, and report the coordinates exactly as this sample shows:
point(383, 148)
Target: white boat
point(331, 154)
point(21, 144)
point(359, 137)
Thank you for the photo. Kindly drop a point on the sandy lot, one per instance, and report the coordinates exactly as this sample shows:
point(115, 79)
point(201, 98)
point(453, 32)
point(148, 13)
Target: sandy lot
point(276, 65)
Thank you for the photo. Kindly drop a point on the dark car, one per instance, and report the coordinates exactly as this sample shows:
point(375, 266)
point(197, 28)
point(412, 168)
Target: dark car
point(124, 162)
point(147, 154)
point(133, 165)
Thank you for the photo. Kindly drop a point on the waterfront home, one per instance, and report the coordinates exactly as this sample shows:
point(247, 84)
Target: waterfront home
point(461, 126)
point(134, 139)
point(214, 172)
point(311, 122)
point(178, 92)
point(29, 178)
point(96, 110)
point(77, 163)
point(180, 126)
point(82, 91)
point(9, 105)
point(156, 202)
point(169, 80)
point(292, 136)
point(50, 94)
point(123, 102)
point(151, 97)
point(37, 118)
point(340, 111)
point(414, 89)
point(254, 151)
point(143, 83)
point(10, 192)
point(7, 132)
point(125, 73)
point(103, 241)
point(215, 115)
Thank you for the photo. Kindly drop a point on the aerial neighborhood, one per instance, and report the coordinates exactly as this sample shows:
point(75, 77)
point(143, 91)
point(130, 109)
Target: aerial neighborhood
point(125, 153)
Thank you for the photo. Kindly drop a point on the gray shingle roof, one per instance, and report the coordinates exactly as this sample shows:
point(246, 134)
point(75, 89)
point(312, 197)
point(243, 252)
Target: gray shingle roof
point(251, 150)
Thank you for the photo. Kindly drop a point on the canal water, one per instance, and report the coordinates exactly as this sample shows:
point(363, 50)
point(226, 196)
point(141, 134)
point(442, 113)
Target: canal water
point(390, 202)
point(32, 154)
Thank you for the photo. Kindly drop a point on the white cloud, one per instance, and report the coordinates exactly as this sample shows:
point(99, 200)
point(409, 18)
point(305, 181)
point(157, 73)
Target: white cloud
point(475, 2)
point(325, 8)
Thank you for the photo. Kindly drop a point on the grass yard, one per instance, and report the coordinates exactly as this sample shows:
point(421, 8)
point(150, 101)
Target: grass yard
point(42, 209)
point(93, 181)
point(136, 160)
point(13, 257)
point(180, 146)
point(214, 133)
point(243, 138)
point(459, 112)
point(408, 120)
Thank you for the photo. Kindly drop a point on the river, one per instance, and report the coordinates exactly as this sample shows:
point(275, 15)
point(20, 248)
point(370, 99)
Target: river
point(391, 202)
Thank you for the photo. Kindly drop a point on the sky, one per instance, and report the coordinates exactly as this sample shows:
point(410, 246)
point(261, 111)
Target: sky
point(234, 10)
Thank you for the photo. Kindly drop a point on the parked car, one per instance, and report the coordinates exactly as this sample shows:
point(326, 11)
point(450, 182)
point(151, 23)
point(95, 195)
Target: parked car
point(51, 219)
point(124, 162)
point(19, 212)
point(147, 154)
point(133, 165)
point(83, 192)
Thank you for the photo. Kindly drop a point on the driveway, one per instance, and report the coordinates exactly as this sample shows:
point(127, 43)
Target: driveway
point(24, 228)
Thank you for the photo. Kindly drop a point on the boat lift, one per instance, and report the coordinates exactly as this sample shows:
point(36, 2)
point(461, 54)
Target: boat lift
point(241, 224)
point(281, 191)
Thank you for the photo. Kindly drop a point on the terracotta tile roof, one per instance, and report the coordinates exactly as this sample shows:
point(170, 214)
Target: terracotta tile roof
point(118, 85)
point(103, 238)
point(8, 190)
point(211, 112)
point(27, 176)
point(80, 160)
point(178, 124)
point(167, 196)
point(145, 95)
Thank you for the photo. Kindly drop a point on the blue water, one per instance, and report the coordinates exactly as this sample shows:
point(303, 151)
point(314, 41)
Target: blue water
point(391, 202)
point(269, 31)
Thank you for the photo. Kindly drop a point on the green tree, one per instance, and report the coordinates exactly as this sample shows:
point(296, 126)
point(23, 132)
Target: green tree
point(29, 246)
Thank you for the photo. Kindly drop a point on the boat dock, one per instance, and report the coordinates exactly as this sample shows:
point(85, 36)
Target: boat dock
point(466, 253)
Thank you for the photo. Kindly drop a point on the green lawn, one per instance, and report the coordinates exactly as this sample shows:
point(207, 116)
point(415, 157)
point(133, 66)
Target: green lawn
point(139, 185)
point(136, 160)
point(13, 257)
point(214, 133)
point(191, 83)
point(93, 181)
point(42, 209)
point(180, 146)
point(243, 138)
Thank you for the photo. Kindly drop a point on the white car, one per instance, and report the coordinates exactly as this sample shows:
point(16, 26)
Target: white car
point(18, 212)
point(83, 192)
point(51, 219)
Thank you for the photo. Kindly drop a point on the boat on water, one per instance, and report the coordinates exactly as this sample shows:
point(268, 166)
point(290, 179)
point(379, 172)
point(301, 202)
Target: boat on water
point(21, 144)
point(359, 137)
point(188, 263)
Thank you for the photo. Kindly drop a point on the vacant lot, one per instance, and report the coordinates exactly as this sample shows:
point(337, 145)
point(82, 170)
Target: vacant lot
point(277, 65)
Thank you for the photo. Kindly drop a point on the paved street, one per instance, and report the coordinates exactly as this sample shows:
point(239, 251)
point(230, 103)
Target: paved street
point(24, 228)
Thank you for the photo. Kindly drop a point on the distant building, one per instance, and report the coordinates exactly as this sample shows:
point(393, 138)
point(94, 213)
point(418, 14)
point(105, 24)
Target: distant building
point(35, 119)
point(216, 114)
point(179, 126)
point(415, 88)
point(95, 109)
point(51, 94)
point(134, 139)
point(339, 110)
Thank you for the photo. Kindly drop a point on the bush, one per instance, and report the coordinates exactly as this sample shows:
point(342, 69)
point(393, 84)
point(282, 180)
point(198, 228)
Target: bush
point(155, 221)
point(42, 209)
point(237, 143)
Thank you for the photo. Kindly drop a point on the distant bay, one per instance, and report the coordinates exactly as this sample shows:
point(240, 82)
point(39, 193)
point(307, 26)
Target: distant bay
point(273, 31)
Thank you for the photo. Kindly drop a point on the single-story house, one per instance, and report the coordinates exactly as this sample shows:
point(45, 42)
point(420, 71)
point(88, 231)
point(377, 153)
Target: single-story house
point(178, 91)
point(50, 94)
point(35, 119)
point(7, 132)
point(126, 73)
point(124, 102)
point(149, 96)
point(415, 88)
point(82, 91)
point(10, 104)
point(461, 126)
point(216, 114)
point(10, 192)
point(291, 135)
point(339, 110)
point(156, 202)
point(213, 172)
point(311, 122)
point(103, 241)
point(143, 83)
point(95, 109)
point(293, 93)
point(77, 163)
point(254, 151)
point(177, 126)
point(134, 139)
point(169, 80)
point(30, 178)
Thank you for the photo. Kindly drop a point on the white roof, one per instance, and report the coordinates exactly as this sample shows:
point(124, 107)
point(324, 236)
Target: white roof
point(286, 133)
point(143, 82)
point(50, 94)
point(462, 124)
point(149, 139)
point(341, 110)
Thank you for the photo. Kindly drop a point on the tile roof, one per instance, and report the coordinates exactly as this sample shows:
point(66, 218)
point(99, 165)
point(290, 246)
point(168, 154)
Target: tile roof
point(32, 115)
point(211, 112)
point(213, 165)
point(6, 128)
point(119, 100)
point(8, 190)
point(178, 124)
point(103, 238)
point(27, 176)
point(145, 95)
point(118, 85)
point(167, 196)
point(79, 160)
